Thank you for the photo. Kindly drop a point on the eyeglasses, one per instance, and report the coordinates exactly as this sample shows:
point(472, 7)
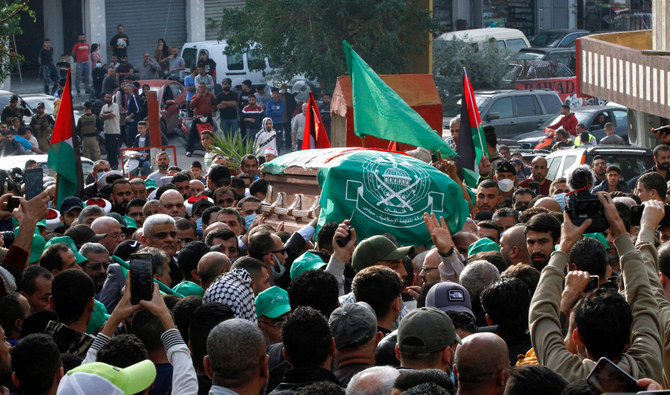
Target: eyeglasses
point(97, 266)
point(428, 268)
point(282, 251)
point(115, 235)
point(276, 324)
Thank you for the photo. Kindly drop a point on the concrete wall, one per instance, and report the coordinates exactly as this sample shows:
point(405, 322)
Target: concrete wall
point(53, 26)
point(94, 24)
point(195, 20)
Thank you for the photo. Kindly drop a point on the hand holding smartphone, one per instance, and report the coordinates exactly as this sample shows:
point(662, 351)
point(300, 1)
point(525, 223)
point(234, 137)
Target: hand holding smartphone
point(606, 376)
point(141, 278)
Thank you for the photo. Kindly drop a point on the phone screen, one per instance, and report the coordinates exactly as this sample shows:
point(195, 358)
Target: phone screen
point(33, 180)
point(141, 278)
point(608, 377)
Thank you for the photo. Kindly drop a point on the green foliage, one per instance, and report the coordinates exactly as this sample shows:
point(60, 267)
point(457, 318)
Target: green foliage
point(233, 148)
point(305, 36)
point(485, 66)
point(10, 16)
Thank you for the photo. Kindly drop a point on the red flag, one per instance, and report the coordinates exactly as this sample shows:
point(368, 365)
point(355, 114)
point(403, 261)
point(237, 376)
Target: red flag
point(393, 146)
point(315, 132)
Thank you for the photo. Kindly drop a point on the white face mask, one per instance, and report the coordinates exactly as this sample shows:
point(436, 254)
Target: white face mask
point(506, 185)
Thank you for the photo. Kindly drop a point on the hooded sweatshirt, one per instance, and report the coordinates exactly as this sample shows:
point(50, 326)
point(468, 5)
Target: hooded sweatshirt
point(265, 139)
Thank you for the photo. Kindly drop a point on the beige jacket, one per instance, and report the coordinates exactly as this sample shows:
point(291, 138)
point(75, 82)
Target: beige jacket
point(643, 358)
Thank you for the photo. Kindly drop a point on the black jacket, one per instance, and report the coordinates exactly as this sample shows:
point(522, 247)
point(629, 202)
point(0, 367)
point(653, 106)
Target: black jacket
point(294, 379)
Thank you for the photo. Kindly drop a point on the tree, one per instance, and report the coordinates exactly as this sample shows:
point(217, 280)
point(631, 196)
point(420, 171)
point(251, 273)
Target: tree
point(485, 66)
point(305, 36)
point(10, 11)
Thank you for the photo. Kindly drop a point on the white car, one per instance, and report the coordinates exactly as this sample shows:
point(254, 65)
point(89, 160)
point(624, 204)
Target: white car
point(33, 99)
point(12, 161)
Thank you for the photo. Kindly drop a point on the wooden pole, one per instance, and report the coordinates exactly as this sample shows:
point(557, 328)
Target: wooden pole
point(154, 124)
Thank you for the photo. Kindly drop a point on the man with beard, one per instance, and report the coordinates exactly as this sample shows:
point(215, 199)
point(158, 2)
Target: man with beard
point(538, 172)
point(163, 162)
point(543, 231)
point(110, 114)
point(226, 102)
point(42, 125)
point(661, 161)
point(513, 245)
point(160, 231)
point(122, 193)
point(96, 267)
point(599, 167)
point(488, 196)
point(522, 198)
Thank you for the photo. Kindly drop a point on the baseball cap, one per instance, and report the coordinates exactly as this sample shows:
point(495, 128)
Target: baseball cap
point(81, 234)
point(66, 240)
point(150, 183)
point(193, 204)
point(119, 218)
point(272, 303)
point(352, 324)
point(426, 330)
point(483, 245)
point(219, 174)
point(505, 167)
point(375, 249)
point(130, 223)
point(517, 161)
point(40, 104)
point(305, 262)
point(102, 378)
point(98, 317)
point(449, 296)
point(70, 203)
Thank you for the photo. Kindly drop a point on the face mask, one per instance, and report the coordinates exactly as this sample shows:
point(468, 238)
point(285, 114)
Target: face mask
point(282, 91)
point(277, 274)
point(248, 220)
point(98, 65)
point(506, 185)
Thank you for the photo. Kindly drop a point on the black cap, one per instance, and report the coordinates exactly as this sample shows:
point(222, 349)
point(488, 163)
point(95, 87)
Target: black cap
point(219, 175)
point(82, 234)
point(40, 105)
point(200, 203)
point(126, 248)
point(192, 252)
point(505, 167)
point(13, 98)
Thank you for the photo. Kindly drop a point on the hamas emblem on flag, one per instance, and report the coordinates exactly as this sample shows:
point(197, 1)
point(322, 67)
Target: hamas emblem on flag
point(394, 192)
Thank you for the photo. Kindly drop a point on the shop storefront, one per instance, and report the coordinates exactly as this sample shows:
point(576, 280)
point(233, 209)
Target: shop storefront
point(614, 15)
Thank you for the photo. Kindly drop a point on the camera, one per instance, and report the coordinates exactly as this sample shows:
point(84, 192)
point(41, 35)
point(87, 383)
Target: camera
point(582, 204)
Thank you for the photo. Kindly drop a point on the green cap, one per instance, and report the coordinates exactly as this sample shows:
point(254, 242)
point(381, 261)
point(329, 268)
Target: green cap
point(149, 183)
point(121, 220)
point(42, 223)
point(272, 303)
point(101, 378)
point(375, 249)
point(130, 223)
point(482, 245)
point(67, 240)
point(426, 330)
point(600, 237)
point(98, 317)
point(188, 288)
point(305, 262)
point(37, 248)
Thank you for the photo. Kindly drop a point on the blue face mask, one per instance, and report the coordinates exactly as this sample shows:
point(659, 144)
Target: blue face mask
point(248, 220)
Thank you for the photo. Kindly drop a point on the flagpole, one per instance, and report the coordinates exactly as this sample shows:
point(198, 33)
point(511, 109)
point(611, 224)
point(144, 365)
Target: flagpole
point(77, 153)
point(472, 100)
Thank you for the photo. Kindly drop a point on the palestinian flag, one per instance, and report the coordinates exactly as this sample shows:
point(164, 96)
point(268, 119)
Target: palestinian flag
point(471, 140)
point(315, 132)
point(64, 156)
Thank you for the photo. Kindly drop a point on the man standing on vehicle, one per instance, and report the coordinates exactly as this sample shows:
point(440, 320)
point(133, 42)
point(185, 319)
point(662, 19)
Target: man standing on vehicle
point(42, 125)
point(611, 138)
point(568, 121)
point(210, 65)
point(226, 102)
point(80, 53)
point(201, 103)
point(119, 43)
point(110, 114)
point(275, 110)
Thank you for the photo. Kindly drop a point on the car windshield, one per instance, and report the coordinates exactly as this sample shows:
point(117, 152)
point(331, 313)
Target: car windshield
point(631, 165)
point(546, 39)
point(582, 117)
point(48, 105)
point(452, 106)
point(528, 55)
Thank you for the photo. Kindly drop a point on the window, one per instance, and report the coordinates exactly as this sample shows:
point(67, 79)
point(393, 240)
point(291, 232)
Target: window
point(552, 165)
point(503, 107)
point(569, 161)
point(235, 61)
point(176, 90)
point(620, 118)
point(551, 103)
point(515, 45)
point(255, 61)
point(526, 106)
point(190, 56)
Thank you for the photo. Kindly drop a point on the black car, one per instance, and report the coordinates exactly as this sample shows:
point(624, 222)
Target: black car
point(559, 38)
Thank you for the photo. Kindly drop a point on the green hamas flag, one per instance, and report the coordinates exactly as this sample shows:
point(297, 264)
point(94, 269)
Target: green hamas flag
point(388, 192)
point(379, 111)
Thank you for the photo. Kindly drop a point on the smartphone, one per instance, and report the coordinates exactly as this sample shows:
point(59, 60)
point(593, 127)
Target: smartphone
point(534, 186)
point(636, 215)
point(593, 284)
point(33, 181)
point(606, 376)
point(141, 278)
point(13, 202)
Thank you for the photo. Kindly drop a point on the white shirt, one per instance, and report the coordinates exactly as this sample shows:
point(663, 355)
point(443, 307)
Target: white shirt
point(265, 140)
point(112, 124)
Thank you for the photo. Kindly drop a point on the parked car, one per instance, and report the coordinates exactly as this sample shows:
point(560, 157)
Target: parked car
point(528, 70)
point(588, 115)
point(558, 38)
point(511, 112)
point(632, 161)
point(12, 161)
point(559, 55)
point(506, 39)
point(34, 99)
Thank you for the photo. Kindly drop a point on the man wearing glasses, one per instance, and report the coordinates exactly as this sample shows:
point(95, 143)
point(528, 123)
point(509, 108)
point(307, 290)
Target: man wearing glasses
point(96, 267)
point(268, 248)
point(111, 228)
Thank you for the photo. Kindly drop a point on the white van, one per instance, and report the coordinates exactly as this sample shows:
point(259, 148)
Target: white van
point(506, 39)
point(237, 67)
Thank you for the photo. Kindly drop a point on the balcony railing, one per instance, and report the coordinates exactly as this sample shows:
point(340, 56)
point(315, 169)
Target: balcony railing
point(612, 66)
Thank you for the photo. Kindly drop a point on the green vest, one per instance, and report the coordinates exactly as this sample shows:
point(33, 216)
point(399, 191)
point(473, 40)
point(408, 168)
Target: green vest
point(88, 123)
